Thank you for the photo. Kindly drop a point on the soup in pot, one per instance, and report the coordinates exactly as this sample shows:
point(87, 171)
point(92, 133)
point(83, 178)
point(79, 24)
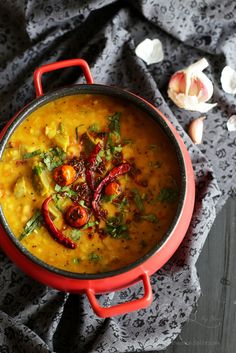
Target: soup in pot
point(89, 183)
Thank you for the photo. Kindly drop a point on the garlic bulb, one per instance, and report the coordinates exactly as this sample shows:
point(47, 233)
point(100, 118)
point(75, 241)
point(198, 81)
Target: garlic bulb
point(195, 130)
point(190, 88)
point(228, 80)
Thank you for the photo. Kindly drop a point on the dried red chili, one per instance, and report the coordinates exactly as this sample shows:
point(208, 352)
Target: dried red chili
point(53, 231)
point(91, 161)
point(113, 173)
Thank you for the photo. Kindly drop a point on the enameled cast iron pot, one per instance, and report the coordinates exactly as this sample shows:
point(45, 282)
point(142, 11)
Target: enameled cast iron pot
point(143, 268)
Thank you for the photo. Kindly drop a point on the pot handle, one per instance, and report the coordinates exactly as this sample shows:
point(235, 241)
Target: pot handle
point(60, 65)
point(123, 308)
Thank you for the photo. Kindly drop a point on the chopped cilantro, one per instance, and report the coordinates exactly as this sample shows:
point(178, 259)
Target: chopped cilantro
point(57, 188)
point(75, 234)
point(116, 228)
point(116, 149)
point(98, 159)
point(101, 153)
point(53, 158)
point(37, 169)
point(108, 198)
point(108, 154)
point(123, 203)
point(31, 154)
point(82, 203)
point(110, 141)
point(90, 224)
point(94, 257)
point(138, 200)
point(75, 260)
point(167, 195)
point(57, 198)
point(65, 189)
point(94, 127)
point(114, 125)
point(152, 218)
point(33, 223)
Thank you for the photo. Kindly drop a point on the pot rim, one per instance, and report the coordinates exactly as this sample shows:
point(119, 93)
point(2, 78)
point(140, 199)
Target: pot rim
point(139, 103)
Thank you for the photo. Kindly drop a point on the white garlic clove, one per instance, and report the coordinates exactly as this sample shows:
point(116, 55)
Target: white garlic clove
point(205, 88)
point(195, 130)
point(150, 51)
point(228, 80)
point(231, 123)
point(191, 103)
point(191, 88)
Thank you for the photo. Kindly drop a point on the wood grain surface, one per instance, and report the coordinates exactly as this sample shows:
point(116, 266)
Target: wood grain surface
point(212, 327)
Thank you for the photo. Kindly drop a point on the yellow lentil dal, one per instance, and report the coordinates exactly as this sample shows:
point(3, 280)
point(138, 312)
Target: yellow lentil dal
point(150, 190)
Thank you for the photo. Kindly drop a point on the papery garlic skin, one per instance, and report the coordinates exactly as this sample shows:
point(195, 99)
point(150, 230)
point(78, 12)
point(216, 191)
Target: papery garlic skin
point(190, 88)
point(150, 51)
point(231, 123)
point(228, 80)
point(195, 130)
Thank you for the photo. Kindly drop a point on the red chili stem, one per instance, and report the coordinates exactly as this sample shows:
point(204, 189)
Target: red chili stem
point(91, 164)
point(53, 231)
point(113, 174)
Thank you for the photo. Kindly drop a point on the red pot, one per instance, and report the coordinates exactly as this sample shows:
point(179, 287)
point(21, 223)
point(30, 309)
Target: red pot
point(142, 269)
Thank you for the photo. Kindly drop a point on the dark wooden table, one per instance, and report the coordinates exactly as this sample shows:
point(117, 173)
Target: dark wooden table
point(212, 328)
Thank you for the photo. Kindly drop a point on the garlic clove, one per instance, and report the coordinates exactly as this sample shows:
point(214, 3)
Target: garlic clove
point(205, 88)
point(228, 80)
point(191, 88)
point(177, 82)
point(190, 103)
point(195, 130)
point(150, 51)
point(231, 123)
